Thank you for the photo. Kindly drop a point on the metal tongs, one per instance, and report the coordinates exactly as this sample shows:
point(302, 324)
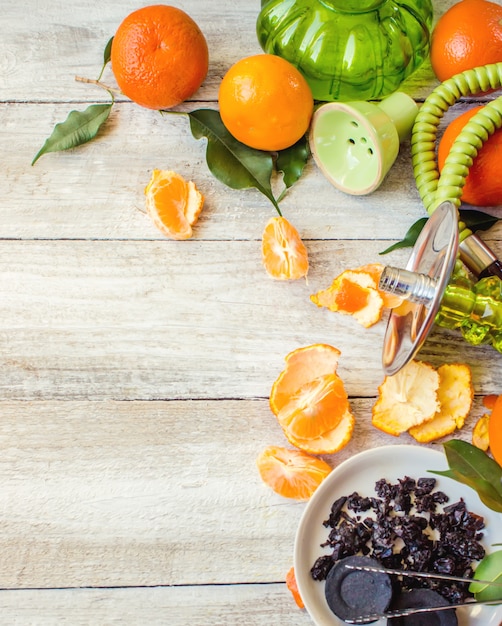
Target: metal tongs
point(368, 618)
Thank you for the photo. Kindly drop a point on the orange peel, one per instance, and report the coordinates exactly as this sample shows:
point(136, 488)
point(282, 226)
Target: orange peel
point(480, 436)
point(407, 399)
point(352, 293)
point(293, 588)
point(455, 395)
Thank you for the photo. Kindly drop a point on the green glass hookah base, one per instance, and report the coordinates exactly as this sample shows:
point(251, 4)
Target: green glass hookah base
point(348, 50)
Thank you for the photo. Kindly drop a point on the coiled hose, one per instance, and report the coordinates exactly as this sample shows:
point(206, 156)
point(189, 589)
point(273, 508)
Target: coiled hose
point(433, 187)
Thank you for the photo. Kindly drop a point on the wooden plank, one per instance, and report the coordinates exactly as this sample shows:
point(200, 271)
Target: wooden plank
point(61, 41)
point(253, 605)
point(149, 493)
point(154, 320)
point(96, 191)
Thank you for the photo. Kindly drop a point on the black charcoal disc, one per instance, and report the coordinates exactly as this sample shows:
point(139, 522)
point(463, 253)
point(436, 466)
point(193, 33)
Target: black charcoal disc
point(421, 598)
point(354, 593)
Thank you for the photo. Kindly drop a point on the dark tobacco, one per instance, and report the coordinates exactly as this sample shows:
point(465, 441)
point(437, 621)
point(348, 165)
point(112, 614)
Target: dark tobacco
point(406, 527)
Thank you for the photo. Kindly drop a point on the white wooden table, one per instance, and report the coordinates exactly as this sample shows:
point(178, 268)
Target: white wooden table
point(135, 370)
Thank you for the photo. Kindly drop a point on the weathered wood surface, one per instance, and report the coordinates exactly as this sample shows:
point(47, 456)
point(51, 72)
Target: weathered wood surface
point(135, 371)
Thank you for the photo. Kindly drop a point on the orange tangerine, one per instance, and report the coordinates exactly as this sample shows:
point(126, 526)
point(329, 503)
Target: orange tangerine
point(495, 430)
point(159, 56)
point(265, 102)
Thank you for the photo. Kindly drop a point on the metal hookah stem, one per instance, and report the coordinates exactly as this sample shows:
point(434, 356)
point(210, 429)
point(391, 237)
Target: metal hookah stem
point(412, 286)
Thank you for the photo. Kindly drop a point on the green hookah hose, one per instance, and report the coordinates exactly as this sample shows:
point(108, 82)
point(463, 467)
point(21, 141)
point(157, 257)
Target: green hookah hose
point(433, 187)
point(475, 309)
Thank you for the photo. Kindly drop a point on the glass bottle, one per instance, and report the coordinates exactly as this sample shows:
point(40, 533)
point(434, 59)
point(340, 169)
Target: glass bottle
point(472, 307)
point(348, 49)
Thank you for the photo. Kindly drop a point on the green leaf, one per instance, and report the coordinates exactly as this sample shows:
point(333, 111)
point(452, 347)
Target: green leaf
point(291, 161)
point(489, 568)
point(473, 467)
point(107, 55)
point(474, 220)
point(410, 237)
point(477, 220)
point(78, 128)
point(230, 161)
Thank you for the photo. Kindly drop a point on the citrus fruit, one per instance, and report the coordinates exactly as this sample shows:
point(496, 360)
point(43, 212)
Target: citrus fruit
point(291, 473)
point(173, 203)
point(483, 185)
point(265, 102)
point(310, 402)
point(159, 56)
point(293, 587)
point(284, 254)
point(495, 431)
point(468, 35)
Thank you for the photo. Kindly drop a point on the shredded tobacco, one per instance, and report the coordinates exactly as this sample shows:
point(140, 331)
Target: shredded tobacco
point(406, 527)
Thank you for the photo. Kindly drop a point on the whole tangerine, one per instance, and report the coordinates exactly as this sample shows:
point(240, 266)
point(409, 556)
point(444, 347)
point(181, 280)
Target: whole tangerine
point(159, 56)
point(483, 185)
point(265, 102)
point(468, 35)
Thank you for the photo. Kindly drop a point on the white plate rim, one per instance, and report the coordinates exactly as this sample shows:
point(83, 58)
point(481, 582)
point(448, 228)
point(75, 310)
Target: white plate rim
point(418, 459)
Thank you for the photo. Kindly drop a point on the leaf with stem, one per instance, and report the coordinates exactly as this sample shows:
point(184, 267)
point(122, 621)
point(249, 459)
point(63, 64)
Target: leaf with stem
point(107, 55)
point(231, 162)
point(410, 237)
point(474, 220)
point(78, 128)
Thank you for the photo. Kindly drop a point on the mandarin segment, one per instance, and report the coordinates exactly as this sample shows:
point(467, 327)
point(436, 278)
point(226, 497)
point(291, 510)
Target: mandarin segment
point(291, 473)
point(173, 204)
point(284, 254)
point(407, 399)
point(455, 395)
